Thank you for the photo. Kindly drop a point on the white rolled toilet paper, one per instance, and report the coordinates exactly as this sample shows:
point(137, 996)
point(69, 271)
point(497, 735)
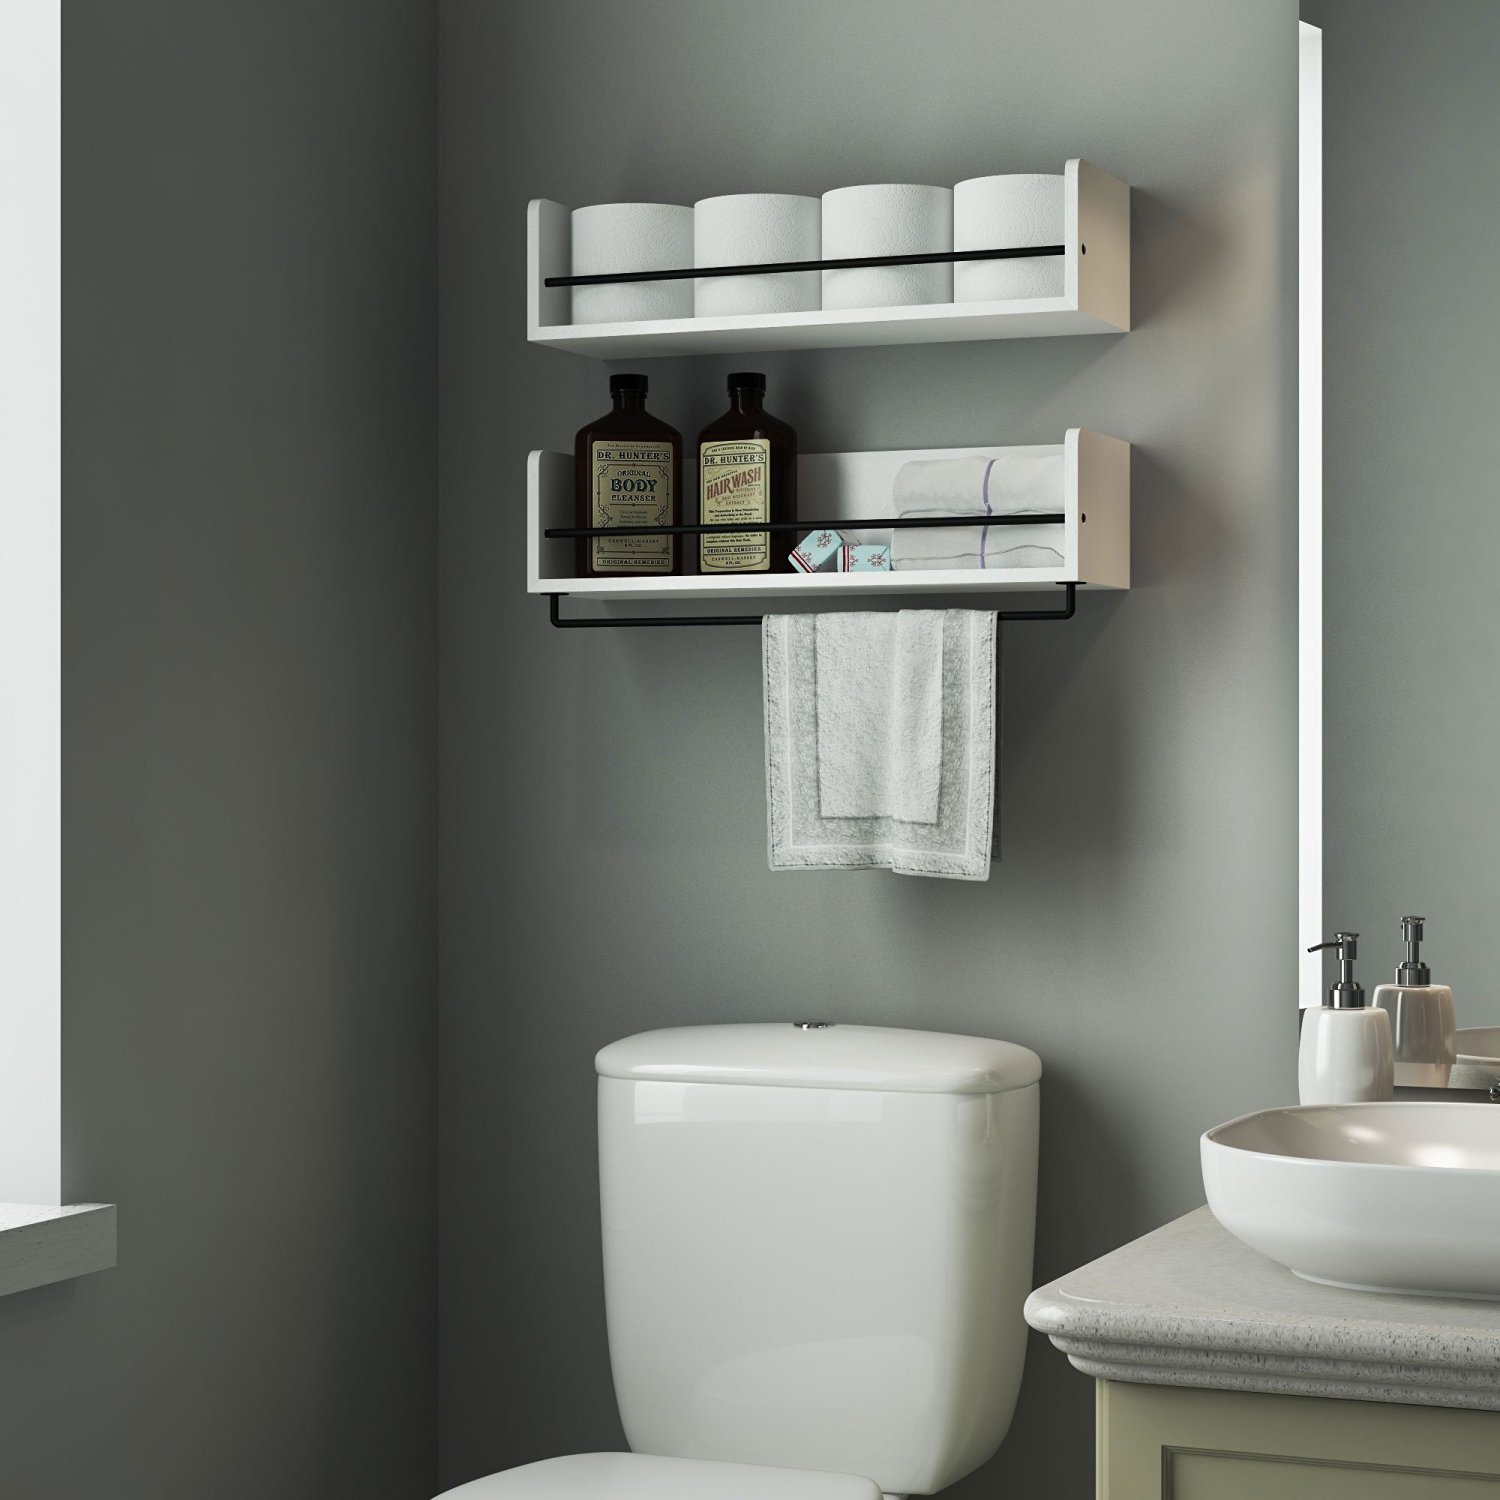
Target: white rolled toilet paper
point(743, 229)
point(887, 218)
point(612, 237)
point(1024, 208)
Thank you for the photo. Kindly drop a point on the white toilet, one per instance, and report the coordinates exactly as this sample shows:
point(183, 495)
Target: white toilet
point(817, 1241)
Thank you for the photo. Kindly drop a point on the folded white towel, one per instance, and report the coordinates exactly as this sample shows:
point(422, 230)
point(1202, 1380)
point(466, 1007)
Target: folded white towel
point(983, 547)
point(1015, 484)
point(1021, 479)
point(880, 741)
point(879, 714)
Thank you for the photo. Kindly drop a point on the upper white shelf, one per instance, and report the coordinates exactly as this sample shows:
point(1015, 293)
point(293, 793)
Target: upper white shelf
point(1096, 295)
point(1092, 493)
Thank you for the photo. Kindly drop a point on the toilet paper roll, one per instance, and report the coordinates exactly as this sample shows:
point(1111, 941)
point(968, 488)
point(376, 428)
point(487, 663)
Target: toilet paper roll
point(1024, 208)
point(610, 237)
point(887, 218)
point(748, 228)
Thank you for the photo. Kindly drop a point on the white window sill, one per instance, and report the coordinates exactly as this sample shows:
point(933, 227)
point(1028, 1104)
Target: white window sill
point(39, 1245)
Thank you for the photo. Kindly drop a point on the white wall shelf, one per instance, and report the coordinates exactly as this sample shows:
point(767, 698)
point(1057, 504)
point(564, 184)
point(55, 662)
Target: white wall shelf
point(41, 1245)
point(1096, 551)
point(1096, 295)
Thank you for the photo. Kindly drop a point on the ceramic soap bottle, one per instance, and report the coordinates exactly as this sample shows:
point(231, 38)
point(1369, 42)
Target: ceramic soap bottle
point(1345, 1056)
point(1424, 1025)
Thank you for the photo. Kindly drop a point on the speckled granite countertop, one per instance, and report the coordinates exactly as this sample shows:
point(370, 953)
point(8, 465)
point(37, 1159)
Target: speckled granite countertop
point(1188, 1304)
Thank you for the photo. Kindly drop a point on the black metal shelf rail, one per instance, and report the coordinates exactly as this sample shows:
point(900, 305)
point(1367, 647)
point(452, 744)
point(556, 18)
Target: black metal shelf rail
point(841, 263)
point(879, 523)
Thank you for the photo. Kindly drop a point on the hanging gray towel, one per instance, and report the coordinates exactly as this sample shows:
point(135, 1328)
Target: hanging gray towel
point(880, 741)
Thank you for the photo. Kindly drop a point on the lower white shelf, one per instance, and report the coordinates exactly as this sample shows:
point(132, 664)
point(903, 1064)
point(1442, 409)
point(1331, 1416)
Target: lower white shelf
point(793, 586)
point(1093, 538)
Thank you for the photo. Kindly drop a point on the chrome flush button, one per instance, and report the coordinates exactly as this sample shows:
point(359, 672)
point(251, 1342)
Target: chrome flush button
point(812, 1025)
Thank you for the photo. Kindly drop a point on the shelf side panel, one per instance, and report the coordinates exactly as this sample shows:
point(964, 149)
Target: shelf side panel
point(1103, 495)
point(549, 252)
point(549, 502)
point(1102, 286)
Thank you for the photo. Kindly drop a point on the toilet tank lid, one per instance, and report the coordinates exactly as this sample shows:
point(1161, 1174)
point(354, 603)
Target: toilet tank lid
point(643, 1476)
point(802, 1055)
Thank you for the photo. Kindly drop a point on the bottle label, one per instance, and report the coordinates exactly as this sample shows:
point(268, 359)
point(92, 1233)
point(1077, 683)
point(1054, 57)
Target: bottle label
point(632, 487)
point(735, 487)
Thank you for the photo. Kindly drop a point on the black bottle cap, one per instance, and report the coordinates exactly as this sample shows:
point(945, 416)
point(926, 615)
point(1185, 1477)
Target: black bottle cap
point(747, 380)
point(627, 383)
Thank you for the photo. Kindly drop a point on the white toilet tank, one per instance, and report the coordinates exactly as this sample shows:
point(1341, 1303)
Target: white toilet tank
point(817, 1241)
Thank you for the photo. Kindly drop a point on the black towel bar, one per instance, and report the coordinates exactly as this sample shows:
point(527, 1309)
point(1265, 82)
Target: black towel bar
point(1065, 613)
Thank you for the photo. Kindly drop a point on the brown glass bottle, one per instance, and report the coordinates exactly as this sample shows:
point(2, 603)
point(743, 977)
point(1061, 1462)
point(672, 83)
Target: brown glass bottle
point(747, 471)
point(628, 472)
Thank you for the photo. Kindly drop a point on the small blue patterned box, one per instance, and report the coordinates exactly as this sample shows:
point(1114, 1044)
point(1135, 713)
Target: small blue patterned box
point(864, 558)
point(815, 550)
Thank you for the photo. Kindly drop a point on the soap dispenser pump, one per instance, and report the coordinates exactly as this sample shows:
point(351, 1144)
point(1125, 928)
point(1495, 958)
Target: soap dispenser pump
point(1424, 1025)
point(1346, 1054)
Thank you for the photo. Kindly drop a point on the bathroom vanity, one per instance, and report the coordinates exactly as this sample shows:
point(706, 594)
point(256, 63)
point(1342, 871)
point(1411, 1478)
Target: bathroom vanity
point(1223, 1376)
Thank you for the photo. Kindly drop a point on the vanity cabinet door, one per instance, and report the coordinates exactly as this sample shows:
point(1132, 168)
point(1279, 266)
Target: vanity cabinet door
point(1246, 1476)
point(1170, 1443)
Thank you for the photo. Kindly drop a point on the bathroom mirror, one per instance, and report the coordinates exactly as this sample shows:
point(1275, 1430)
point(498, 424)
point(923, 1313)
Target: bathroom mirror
point(1410, 606)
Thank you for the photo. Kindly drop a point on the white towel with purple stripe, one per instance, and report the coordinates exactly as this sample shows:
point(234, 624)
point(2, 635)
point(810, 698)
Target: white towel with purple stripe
point(1022, 482)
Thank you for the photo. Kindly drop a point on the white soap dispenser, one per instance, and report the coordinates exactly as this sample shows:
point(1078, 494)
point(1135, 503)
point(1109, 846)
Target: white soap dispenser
point(1424, 1025)
point(1346, 1055)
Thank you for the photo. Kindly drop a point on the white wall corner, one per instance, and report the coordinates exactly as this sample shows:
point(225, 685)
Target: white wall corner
point(30, 602)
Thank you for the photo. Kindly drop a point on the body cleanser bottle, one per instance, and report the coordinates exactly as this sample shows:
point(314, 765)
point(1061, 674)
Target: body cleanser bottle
point(628, 473)
point(1345, 1056)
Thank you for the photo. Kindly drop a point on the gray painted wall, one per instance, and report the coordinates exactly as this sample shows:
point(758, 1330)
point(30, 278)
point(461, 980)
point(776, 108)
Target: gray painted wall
point(1411, 522)
point(603, 819)
point(249, 832)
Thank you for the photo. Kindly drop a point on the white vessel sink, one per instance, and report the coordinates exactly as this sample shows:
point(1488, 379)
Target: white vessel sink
point(1378, 1197)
